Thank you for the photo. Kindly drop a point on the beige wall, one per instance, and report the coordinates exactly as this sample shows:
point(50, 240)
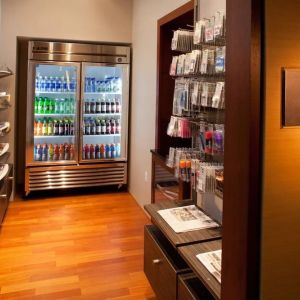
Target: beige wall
point(144, 34)
point(281, 188)
point(90, 20)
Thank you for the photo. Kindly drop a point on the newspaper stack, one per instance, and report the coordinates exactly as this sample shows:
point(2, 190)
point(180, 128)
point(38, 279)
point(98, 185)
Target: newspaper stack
point(212, 262)
point(187, 218)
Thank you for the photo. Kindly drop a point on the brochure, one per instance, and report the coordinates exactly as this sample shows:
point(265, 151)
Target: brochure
point(187, 218)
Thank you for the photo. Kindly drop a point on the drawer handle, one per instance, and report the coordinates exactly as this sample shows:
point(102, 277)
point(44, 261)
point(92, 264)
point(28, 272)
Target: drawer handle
point(156, 261)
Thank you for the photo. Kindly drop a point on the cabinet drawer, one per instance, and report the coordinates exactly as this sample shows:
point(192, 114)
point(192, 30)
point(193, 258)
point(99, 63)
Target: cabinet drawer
point(162, 264)
point(191, 288)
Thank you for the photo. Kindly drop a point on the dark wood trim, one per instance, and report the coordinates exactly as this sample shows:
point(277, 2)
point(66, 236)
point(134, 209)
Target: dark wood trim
point(178, 12)
point(165, 84)
point(243, 148)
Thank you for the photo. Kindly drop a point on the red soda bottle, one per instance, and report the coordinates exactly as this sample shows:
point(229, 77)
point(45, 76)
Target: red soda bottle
point(56, 152)
point(67, 152)
point(87, 151)
point(61, 152)
point(71, 151)
point(92, 151)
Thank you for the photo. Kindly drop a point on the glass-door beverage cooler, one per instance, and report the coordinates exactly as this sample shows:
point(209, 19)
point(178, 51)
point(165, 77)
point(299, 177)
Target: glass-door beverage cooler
point(77, 115)
point(104, 112)
point(53, 114)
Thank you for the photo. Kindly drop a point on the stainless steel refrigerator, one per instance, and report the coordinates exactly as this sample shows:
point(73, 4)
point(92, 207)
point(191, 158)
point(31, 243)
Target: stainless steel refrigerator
point(76, 115)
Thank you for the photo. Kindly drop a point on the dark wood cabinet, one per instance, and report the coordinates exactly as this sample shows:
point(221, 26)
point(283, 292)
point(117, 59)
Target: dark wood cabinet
point(162, 264)
point(170, 256)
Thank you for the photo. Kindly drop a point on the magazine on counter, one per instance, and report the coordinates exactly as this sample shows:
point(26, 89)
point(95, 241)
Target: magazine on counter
point(187, 218)
point(212, 262)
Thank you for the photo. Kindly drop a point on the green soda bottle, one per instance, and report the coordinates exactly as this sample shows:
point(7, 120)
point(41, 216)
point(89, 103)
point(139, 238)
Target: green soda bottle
point(46, 105)
point(41, 105)
point(51, 106)
point(67, 106)
point(36, 105)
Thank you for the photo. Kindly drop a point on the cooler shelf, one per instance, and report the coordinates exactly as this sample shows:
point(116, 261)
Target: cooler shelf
point(54, 115)
point(53, 136)
point(95, 135)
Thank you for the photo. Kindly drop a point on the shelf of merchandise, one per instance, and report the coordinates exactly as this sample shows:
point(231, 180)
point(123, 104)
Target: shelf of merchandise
point(53, 136)
point(102, 93)
point(102, 114)
point(100, 135)
point(54, 92)
point(54, 115)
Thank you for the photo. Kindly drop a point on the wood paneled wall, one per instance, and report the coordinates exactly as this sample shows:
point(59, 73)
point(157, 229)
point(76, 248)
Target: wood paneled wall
point(281, 178)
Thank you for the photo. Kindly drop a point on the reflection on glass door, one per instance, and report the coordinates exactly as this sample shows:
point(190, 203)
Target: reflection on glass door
point(102, 107)
point(55, 111)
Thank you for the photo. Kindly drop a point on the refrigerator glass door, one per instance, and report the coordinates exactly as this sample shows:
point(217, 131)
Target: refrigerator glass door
point(104, 118)
point(52, 113)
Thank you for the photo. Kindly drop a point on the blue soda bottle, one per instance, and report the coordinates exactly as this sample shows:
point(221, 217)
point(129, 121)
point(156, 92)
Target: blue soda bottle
point(112, 151)
point(52, 84)
point(107, 151)
point(57, 84)
point(97, 151)
point(118, 150)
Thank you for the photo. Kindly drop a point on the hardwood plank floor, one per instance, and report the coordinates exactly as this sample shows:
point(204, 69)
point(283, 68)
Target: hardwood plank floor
point(74, 247)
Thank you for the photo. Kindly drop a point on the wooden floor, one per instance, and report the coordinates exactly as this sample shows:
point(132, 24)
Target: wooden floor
point(74, 247)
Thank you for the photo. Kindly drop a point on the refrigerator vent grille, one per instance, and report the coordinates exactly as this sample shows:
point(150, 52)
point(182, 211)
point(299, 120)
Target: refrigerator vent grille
point(71, 178)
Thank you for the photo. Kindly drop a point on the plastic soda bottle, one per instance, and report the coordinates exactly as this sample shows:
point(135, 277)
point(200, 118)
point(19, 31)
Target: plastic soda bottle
point(92, 127)
point(46, 105)
point(103, 127)
point(107, 151)
point(103, 106)
point(87, 106)
point(118, 150)
point(35, 128)
point(41, 105)
point(50, 127)
point(57, 84)
point(44, 152)
point(108, 127)
point(39, 127)
point(112, 151)
point(102, 151)
point(98, 127)
point(67, 106)
point(39, 152)
point(56, 152)
point(87, 151)
point(45, 127)
point(98, 106)
point(51, 106)
point(71, 127)
point(87, 127)
point(113, 106)
point(50, 152)
point(67, 152)
point(61, 152)
point(72, 151)
point(56, 106)
point(61, 128)
point(36, 105)
point(67, 127)
point(72, 105)
point(62, 106)
point(97, 151)
point(92, 151)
